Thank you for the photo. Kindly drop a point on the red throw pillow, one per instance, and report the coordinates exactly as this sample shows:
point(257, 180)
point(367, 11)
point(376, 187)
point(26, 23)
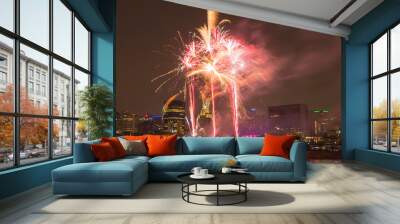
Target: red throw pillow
point(116, 145)
point(159, 145)
point(277, 145)
point(135, 137)
point(103, 152)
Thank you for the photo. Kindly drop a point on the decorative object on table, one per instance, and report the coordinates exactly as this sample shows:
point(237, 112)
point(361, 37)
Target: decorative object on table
point(196, 170)
point(239, 180)
point(96, 102)
point(226, 170)
point(200, 173)
point(230, 170)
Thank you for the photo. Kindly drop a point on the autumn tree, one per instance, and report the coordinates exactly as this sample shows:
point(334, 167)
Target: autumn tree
point(33, 131)
point(380, 127)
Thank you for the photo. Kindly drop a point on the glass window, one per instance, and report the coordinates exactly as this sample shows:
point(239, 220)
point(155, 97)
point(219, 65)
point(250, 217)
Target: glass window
point(379, 135)
point(7, 14)
point(6, 142)
point(81, 82)
point(379, 98)
point(62, 72)
point(62, 137)
point(40, 62)
point(6, 73)
point(33, 140)
point(385, 125)
point(395, 95)
point(81, 131)
point(395, 47)
point(379, 56)
point(395, 136)
point(62, 29)
point(34, 80)
point(81, 45)
point(34, 21)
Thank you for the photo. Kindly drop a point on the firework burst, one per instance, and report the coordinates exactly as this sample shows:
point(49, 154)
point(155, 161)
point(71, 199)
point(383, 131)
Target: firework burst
point(211, 63)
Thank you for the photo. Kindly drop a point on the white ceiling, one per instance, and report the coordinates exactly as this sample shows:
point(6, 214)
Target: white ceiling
point(319, 9)
point(314, 15)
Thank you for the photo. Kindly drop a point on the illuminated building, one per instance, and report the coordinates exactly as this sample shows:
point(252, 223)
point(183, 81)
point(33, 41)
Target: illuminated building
point(173, 117)
point(293, 119)
point(126, 123)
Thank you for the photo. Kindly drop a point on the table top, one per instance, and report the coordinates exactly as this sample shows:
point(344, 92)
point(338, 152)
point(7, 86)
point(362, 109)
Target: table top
point(220, 178)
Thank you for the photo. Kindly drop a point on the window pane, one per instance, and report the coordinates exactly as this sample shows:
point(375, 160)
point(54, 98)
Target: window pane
point(6, 74)
point(379, 55)
point(81, 45)
point(6, 142)
point(81, 131)
point(395, 94)
point(62, 89)
point(395, 132)
point(395, 47)
point(81, 82)
point(62, 137)
point(35, 21)
point(379, 97)
point(62, 29)
point(33, 140)
point(379, 135)
point(7, 14)
point(34, 97)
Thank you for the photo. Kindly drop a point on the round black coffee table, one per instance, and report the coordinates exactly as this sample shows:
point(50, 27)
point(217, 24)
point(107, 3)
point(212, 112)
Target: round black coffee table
point(238, 179)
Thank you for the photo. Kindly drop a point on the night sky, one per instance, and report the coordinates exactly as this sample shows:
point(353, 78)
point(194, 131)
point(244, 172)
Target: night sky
point(304, 67)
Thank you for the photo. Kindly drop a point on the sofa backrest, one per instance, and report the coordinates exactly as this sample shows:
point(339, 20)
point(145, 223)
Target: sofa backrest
point(83, 153)
point(249, 145)
point(206, 145)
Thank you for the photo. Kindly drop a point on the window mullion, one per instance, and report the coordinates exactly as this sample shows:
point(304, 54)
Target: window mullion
point(50, 77)
point(16, 70)
point(73, 82)
point(389, 100)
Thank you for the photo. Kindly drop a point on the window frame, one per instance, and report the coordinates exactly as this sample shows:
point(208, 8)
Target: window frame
point(16, 114)
point(388, 74)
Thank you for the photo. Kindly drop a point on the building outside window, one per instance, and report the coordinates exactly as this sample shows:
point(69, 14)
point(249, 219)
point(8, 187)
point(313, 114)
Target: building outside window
point(30, 87)
point(385, 91)
point(59, 127)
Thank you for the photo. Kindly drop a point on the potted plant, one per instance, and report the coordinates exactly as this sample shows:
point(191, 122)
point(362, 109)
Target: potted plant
point(96, 102)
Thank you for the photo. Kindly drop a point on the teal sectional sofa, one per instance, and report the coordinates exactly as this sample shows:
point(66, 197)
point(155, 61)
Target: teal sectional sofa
point(125, 176)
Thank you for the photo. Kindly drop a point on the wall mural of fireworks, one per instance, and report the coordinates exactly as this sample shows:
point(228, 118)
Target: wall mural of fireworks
point(214, 66)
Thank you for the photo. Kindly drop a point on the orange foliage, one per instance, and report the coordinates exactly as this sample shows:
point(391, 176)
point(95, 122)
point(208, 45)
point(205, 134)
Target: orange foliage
point(33, 130)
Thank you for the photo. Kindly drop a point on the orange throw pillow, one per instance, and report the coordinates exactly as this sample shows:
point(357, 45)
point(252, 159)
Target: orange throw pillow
point(135, 137)
point(116, 145)
point(103, 152)
point(160, 145)
point(277, 145)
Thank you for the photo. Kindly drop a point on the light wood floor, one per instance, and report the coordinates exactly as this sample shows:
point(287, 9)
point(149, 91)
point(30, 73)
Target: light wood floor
point(378, 189)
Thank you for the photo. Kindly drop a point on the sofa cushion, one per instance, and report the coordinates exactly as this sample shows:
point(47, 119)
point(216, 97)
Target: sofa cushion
point(83, 153)
point(249, 145)
point(112, 171)
point(103, 152)
point(277, 145)
point(257, 163)
point(208, 145)
point(116, 145)
point(185, 163)
point(161, 145)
